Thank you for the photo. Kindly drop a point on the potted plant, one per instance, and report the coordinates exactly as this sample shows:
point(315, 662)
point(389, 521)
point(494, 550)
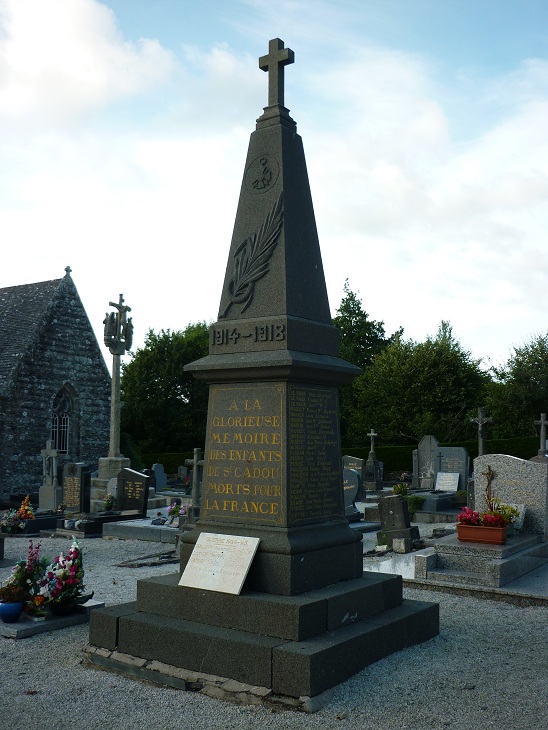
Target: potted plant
point(382, 542)
point(490, 526)
point(63, 582)
point(12, 600)
point(110, 503)
point(28, 574)
point(175, 512)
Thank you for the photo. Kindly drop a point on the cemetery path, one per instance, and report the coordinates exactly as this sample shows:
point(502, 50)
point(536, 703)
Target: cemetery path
point(487, 668)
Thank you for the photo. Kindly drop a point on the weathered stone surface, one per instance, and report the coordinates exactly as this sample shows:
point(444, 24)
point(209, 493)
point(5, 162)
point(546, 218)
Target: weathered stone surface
point(515, 481)
point(48, 353)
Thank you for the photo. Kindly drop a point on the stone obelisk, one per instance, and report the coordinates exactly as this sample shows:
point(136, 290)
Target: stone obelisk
point(272, 465)
point(307, 616)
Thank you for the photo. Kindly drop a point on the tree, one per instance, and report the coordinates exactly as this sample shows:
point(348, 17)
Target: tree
point(412, 389)
point(519, 393)
point(360, 340)
point(165, 408)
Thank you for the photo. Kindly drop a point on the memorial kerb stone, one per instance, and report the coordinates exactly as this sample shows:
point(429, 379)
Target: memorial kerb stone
point(160, 481)
point(351, 487)
point(132, 491)
point(76, 487)
point(394, 519)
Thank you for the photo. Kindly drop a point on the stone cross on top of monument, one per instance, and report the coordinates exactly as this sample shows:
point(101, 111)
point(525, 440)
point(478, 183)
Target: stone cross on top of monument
point(274, 63)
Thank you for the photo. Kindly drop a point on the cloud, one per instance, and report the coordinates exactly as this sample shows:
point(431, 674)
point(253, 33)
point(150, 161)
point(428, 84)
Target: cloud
point(61, 59)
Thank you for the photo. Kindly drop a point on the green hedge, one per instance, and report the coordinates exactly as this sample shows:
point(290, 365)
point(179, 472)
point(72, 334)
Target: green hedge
point(395, 458)
point(171, 462)
point(400, 458)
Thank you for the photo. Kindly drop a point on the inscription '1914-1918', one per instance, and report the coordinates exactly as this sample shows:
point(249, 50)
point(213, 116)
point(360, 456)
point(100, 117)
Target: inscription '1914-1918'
point(243, 474)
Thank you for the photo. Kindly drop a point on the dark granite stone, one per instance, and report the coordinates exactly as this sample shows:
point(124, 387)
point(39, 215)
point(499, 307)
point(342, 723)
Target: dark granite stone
point(239, 655)
point(103, 624)
point(312, 667)
point(132, 492)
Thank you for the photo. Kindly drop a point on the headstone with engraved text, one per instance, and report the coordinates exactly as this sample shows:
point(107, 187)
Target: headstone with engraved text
point(76, 487)
point(132, 491)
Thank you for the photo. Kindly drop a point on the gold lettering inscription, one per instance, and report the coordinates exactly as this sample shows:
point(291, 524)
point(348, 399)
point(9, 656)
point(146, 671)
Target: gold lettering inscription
point(243, 475)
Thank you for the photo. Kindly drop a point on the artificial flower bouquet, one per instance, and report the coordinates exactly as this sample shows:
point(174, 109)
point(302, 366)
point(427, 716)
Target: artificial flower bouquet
point(63, 581)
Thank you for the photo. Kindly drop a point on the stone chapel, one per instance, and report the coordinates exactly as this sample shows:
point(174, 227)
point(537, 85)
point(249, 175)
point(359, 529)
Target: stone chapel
point(54, 383)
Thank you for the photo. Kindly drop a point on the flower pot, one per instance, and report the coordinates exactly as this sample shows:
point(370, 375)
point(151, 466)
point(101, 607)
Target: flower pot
point(11, 612)
point(63, 608)
point(479, 533)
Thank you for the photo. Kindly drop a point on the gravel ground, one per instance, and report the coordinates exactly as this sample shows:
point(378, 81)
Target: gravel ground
point(488, 668)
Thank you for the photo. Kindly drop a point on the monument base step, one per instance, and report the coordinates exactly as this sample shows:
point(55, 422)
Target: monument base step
point(295, 646)
point(219, 688)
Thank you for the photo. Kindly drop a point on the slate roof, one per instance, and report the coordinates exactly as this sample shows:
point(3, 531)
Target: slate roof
point(21, 311)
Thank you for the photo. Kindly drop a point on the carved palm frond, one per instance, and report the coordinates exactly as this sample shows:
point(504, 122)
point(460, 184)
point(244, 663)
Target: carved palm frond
point(252, 258)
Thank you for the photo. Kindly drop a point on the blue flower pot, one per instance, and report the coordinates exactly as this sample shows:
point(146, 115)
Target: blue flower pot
point(11, 612)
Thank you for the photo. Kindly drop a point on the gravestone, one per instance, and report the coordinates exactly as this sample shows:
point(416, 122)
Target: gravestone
point(374, 469)
point(352, 486)
point(182, 473)
point(152, 477)
point(197, 465)
point(355, 463)
point(307, 616)
point(76, 487)
point(430, 458)
point(50, 493)
point(395, 523)
point(132, 491)
point(515, 481)
point(160, 481)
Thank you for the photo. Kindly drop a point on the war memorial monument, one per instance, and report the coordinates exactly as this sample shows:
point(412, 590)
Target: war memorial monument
point(271, 591)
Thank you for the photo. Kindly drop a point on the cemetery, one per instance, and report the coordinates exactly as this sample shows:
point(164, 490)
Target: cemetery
point(285, 571)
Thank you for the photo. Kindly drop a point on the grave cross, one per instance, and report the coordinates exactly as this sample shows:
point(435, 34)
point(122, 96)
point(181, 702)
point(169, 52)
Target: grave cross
point(195, 463)
point(542, 424)
point(372, 434)
point(49, 465)
point(481, 420)
point(274, 63)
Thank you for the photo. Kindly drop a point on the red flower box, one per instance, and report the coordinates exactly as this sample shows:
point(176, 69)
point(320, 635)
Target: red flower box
point(479, 533)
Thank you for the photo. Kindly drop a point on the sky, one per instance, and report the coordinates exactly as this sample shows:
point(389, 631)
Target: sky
point(124, 127)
